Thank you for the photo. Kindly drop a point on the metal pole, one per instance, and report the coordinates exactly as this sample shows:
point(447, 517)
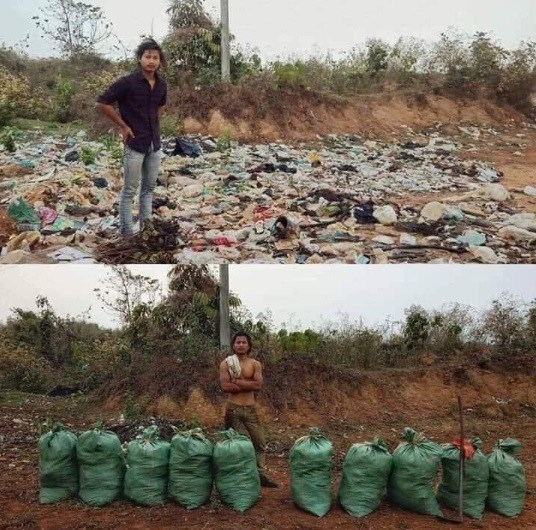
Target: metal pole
point(462, 461)
point(225, 332)
point(225, 49)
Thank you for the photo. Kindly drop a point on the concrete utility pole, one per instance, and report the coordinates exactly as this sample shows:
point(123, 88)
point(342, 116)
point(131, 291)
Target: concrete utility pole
point(225, 331)
point(225, 49)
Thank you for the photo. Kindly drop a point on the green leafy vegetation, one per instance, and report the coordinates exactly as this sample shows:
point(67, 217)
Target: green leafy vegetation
point(169, 342)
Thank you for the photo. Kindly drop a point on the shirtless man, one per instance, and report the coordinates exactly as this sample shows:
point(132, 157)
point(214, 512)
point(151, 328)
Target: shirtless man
point(240, 379)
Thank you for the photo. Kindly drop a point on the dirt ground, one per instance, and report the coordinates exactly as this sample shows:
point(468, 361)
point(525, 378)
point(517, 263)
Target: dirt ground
point(495, 406)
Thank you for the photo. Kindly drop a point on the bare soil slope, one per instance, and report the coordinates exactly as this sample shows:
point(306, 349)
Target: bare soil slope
point(301, 116)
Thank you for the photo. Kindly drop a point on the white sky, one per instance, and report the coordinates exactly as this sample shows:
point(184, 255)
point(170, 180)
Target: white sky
point(302, 27)
point(307, 295)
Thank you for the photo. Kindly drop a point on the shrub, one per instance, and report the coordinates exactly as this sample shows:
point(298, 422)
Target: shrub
point(95, 83)
point(88, 155)
point(9, 137)
point(171, 125)
point(518, 80)
point(64, 98)
point(23, 370)
point(14, 96)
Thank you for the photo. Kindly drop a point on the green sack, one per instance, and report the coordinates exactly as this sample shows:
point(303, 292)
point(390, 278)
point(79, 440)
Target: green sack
point(237, 477)
point(475, 480)
point(507, 485)
point(365, 472)
point(310, 472)
point(147, 468)
point(58, 468)
point(102, 467)
point(411, 483)
point(190, 468)
point(22, 213)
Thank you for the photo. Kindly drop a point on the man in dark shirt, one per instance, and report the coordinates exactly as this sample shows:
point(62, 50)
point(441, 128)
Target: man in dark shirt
point(140, 97)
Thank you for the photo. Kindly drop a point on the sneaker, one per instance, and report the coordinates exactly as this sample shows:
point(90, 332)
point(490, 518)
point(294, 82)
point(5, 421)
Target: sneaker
point(267, 483)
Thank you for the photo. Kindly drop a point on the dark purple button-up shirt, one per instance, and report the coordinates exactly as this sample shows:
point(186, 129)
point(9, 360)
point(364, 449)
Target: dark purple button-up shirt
point(138, 105)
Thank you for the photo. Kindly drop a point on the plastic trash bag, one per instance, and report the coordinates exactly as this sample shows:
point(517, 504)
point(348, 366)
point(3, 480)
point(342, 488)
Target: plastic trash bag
point(411, 483)
point(102, 467)
point(237, 477)
point(147, 468)
point(184, 148)
point(311, 472)
point(507, 483)
point(58, 467)
point(475, 482)
point(191, 471)
point(365, 473)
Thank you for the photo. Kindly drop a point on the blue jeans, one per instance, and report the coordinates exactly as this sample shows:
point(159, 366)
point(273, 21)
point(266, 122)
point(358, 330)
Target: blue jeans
point(138, 167)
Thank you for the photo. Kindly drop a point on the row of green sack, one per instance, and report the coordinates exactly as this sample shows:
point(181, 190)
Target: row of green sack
point(93, 466)
point(408, 476)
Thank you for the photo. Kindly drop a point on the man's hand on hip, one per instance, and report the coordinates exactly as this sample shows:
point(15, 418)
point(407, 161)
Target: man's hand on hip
point(126, 133)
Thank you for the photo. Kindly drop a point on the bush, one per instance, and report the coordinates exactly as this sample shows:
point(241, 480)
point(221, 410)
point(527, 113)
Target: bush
point(95, 83)
point(64, 98)
point(9, 137)
point(23, 370)
point(171, 125)
point(14, 96)
point(518, 81)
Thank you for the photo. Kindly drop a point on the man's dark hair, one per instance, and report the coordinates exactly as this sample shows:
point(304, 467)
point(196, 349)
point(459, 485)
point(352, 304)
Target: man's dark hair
point(151, 44)
point(242, 334)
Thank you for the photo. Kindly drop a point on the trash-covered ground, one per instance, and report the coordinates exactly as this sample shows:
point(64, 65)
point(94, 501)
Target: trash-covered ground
point(421, 197)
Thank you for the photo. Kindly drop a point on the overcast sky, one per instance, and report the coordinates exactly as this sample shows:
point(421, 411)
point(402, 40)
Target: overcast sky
point(304, 296)
point(302, 27)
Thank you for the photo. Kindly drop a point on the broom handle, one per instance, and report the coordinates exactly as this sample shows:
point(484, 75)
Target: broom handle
point(462, 460)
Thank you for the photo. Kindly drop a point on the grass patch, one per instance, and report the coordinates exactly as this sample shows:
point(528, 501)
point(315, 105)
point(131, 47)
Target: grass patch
point(12, 397)
point(49, 127)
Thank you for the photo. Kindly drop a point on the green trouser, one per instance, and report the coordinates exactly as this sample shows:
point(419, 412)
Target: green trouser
point(247, 415)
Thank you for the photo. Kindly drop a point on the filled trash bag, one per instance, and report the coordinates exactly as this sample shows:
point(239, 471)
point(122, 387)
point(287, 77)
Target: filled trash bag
point(507, 483)
point(411, 483)
point(191, 472)
point(310, 472)
point(185, 148)
point(475, 480)
point(365, 472)
point(236, 474)
point(101, 466)
point(58, 468)
point(147, 468)
point(23, 214)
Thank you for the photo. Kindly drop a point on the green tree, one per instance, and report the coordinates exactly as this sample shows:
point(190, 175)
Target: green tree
point(186, 323)
point(193, 46)
point(531, 326)
point(503, 326)
point(416, 327)
point(194, 42)
point(195, 298)
point(486, 59)
point(450, 56)
point(451, 329)
point(75, 28)
point(62, 342)
point(122, 291)
point(377, 57)
point(519, 77)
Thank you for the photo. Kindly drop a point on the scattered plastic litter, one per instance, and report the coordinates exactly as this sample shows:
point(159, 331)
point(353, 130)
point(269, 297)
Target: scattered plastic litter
point(341, 199)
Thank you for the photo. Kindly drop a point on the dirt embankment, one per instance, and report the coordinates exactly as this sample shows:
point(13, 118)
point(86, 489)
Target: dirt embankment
point(321, 398)
point(301, 116)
